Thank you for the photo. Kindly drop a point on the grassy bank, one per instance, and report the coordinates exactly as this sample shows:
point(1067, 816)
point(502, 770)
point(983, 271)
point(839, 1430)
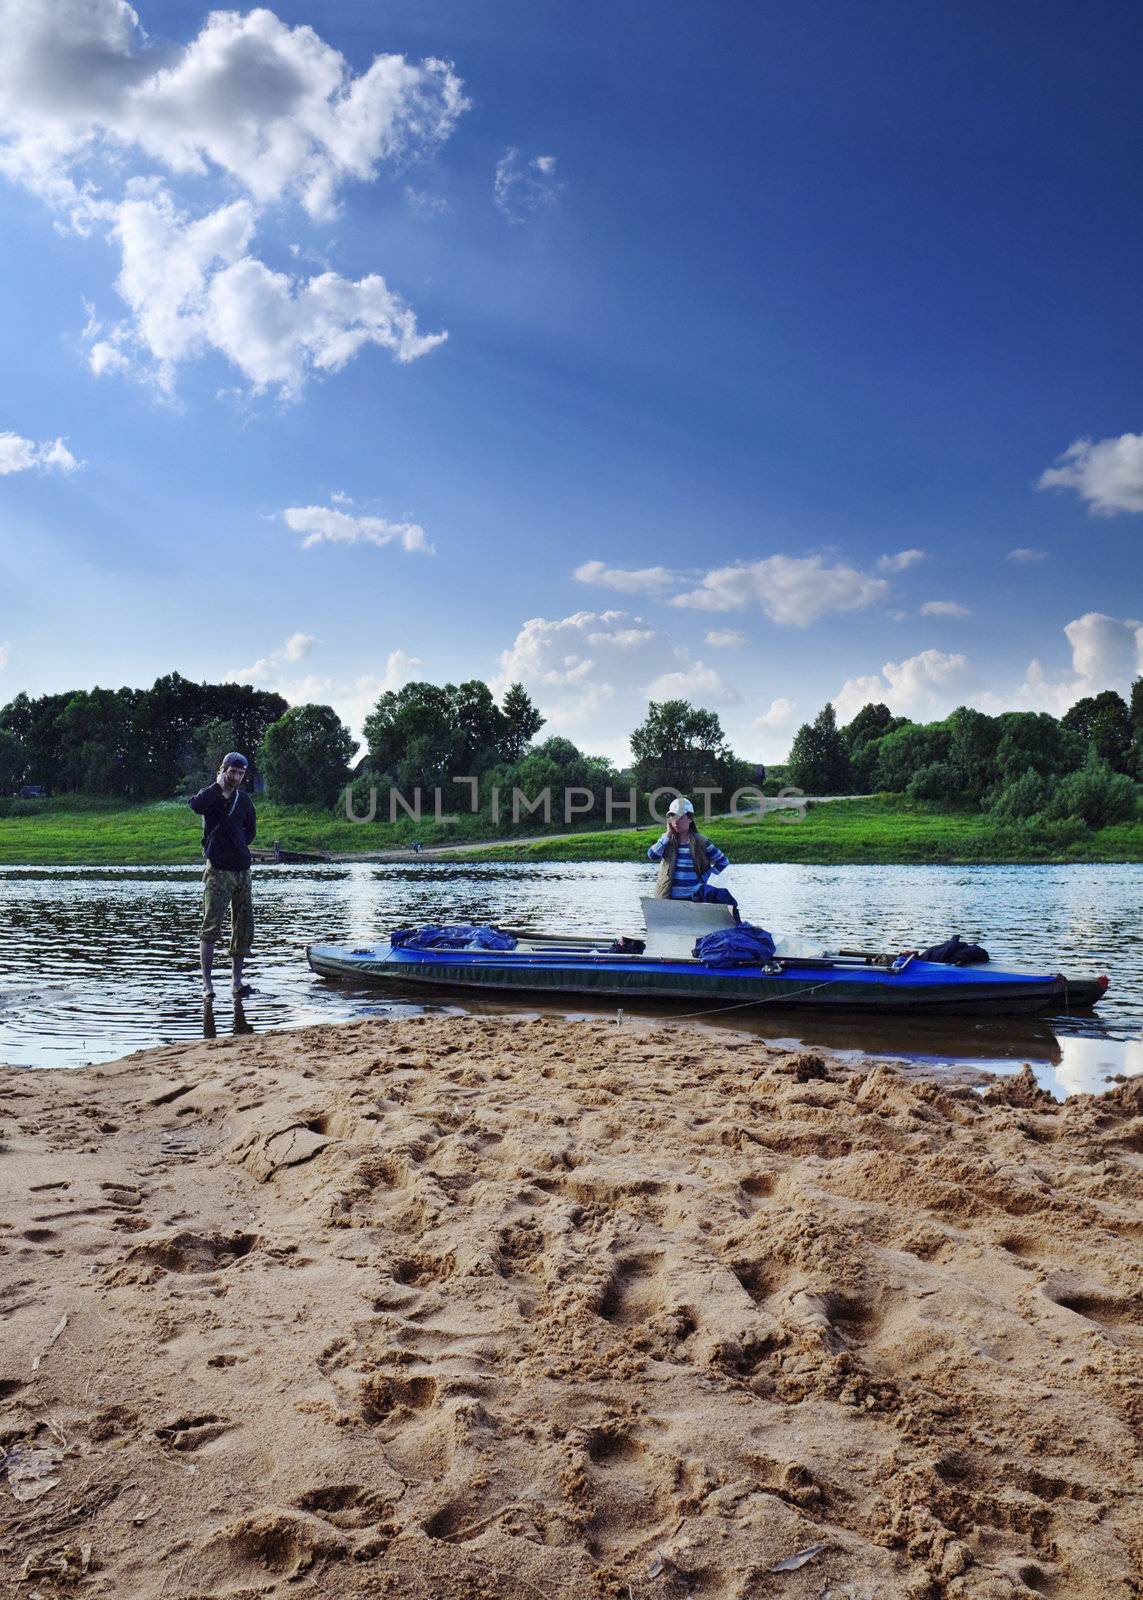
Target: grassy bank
point(883, 829)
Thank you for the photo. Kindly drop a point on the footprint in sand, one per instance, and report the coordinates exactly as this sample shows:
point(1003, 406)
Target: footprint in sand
point(191, 1433)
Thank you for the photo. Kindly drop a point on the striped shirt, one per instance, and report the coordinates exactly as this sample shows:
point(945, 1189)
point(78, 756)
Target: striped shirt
point(686, 880)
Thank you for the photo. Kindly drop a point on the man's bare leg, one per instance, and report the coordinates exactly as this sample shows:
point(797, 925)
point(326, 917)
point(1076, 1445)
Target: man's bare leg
point(207, 968)
point(238, 986)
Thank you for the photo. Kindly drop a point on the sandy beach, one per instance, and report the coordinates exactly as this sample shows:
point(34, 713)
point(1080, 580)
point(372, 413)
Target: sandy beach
point(461, 1307)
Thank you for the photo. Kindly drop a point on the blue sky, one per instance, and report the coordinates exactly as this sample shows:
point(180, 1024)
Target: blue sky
point(766, 322)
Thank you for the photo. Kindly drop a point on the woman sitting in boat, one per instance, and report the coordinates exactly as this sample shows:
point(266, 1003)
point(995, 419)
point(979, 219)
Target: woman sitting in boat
point(686, 859)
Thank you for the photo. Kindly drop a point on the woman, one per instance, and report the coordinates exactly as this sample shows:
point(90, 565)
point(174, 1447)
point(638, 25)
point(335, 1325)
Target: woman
point(686, 859)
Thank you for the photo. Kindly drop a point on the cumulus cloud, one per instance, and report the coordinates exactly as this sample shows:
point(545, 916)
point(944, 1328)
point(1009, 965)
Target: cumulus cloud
point(25, 455)
point(695, 682)
point(78, 79)
point(626, 580)
point(521, 188)
point(1025, 554)
point(192, 286)
point(1108, 474)
point(778, 719)
point(294, 649)
point(925, 687)
point(724, 638)
point(944, 608)
point(1106, 653)
point(586, 672)
point(86, 97)
point(351, 698)
point(325, 524)
point(794, 590)
point(901, 561)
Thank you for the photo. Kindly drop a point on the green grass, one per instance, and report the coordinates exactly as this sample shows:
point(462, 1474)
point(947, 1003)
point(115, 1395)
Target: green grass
point(884, 829)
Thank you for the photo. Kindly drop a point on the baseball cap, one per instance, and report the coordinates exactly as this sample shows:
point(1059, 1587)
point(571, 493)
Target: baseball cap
point(234, 758)
point(678, 806)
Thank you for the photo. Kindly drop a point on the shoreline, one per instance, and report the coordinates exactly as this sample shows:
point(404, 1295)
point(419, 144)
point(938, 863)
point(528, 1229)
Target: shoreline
point(853, 831)
point(456, 1306)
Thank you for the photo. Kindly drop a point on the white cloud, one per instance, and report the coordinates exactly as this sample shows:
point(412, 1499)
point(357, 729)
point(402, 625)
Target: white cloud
point(340, 498)
point(192, 287)
point(25, 455)
point(425, 204)
point(944, 608)
point(85, 97)
point(623, 638)
point(626, 580)
point(583, 671)
point(925, 687)
point(1026, 554)
point(5, 654)
point(699, 684)
point(724, 638)
point(778, 719)
point(901, 561)
point(324, 524)
point(794, 590)
point(1107, 474)
point(352, 698)
point(520, 188)
point(1107, 653)
point(79, 79)
point(268, 667)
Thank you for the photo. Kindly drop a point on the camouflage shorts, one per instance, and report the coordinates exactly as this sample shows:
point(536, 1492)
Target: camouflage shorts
point(227, 891)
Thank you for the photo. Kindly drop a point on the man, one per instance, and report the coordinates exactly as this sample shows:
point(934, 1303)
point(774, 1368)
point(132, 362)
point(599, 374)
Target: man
point(228, 827)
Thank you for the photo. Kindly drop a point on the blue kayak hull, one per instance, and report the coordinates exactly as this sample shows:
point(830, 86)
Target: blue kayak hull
point(919, 986)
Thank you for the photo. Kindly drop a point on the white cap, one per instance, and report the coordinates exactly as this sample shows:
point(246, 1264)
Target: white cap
point(678, 806)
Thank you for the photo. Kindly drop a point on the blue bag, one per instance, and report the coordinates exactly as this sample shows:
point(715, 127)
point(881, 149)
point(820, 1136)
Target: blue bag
point(743, 946)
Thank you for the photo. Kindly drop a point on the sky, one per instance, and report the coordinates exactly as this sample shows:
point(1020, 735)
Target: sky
point(751, 354)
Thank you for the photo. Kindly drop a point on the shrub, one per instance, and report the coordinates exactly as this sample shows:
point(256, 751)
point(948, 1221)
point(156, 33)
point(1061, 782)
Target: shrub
point(939, 780)
point(1095, 793)
point(1026, 796)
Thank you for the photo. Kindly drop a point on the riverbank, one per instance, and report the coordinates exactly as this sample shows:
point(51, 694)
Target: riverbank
point(883, 829)
point(456, 1306)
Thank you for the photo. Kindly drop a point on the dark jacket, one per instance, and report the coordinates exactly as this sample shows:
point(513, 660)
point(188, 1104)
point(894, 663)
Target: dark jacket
point(228, 827)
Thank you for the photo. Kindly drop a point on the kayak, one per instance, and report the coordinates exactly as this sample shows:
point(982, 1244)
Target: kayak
point(555, 965)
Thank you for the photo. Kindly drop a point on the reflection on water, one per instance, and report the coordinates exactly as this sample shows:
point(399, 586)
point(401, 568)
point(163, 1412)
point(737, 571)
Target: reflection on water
point(98, 962)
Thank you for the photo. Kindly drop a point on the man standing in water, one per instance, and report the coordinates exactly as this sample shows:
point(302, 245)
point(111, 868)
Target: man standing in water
point(228, 828)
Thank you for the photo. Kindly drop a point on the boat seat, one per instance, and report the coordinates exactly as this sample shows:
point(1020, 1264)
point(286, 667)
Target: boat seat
point(674, 925)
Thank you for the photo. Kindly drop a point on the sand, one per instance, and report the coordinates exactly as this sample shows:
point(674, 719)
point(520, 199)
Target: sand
point(461, 1307)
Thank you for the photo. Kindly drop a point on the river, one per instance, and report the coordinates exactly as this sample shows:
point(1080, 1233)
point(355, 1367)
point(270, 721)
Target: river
point(97, 962)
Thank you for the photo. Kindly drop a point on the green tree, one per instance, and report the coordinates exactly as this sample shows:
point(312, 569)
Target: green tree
point(863, 738)
point(523, 721)
point(973, 741)
point(1103, 722)
point(1096, 793)
point(305, 755)
point(680, 746)
point(1035, 739)
point(906, 751)
point(12, 762)
point(819, 756)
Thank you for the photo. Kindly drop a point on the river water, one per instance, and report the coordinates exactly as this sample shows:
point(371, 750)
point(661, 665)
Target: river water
point(97, 962)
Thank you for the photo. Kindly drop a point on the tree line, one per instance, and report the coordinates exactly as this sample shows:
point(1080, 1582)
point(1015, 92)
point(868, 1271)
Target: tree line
point(1019, 765)
point(157, 743)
